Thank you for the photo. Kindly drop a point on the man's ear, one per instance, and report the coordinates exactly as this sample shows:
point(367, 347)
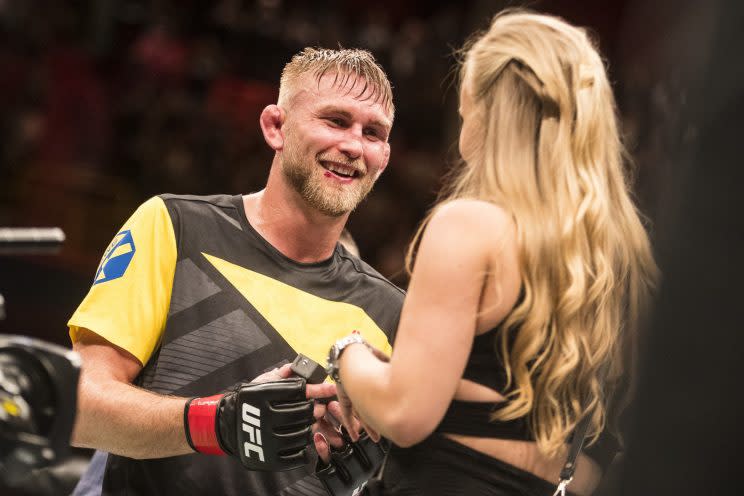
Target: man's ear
point(386, 159)
point(271, 120)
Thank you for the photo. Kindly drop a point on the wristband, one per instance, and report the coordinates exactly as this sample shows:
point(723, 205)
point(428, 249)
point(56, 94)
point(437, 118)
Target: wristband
point(199, 418)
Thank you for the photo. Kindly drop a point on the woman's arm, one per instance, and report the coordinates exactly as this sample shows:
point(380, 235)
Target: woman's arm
point(405, 399)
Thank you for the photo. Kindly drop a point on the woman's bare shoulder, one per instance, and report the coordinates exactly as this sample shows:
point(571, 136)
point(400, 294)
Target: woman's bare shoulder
point(489, 220)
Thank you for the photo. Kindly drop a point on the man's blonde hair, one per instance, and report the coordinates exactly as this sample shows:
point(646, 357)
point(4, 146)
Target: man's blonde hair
point(347, 66)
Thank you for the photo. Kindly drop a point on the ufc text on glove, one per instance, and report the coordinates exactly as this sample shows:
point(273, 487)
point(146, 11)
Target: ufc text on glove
point(267, 425)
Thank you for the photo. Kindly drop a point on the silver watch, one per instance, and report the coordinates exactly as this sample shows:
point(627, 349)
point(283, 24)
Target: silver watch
point(335, 353)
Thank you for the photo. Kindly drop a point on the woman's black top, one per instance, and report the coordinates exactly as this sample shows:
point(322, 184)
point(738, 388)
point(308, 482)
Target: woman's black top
point(470, 418)
point(439, 466)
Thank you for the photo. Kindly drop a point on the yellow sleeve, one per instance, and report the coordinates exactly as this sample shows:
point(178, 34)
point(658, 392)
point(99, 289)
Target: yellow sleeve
point(128, 302)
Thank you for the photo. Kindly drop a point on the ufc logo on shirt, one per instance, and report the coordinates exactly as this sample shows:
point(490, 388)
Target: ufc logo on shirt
point(252, 426)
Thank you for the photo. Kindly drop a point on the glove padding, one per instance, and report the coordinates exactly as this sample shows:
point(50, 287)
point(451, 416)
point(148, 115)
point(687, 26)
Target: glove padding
point(351, 467)
point(267, 425)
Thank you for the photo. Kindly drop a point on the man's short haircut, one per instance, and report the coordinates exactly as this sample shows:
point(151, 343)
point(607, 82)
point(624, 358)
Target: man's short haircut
point(347, 66)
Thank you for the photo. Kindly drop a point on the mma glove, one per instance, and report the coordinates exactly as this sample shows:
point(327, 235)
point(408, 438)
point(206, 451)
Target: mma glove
point(266, 425)
point(350, 468)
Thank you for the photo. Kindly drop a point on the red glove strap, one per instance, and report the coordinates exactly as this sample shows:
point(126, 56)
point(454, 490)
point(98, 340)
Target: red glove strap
point(202, 424)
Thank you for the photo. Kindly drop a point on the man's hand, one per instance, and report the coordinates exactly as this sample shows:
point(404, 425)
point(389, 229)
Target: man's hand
point(326, 427)
point(349, 469)
point(267, 423)
point(327, 435)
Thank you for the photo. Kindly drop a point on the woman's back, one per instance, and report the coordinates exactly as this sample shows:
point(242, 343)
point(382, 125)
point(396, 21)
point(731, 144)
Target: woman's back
point(482, 387)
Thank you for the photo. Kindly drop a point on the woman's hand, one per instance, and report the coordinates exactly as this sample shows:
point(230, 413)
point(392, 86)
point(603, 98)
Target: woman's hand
point(348, 417)
point(351, 420)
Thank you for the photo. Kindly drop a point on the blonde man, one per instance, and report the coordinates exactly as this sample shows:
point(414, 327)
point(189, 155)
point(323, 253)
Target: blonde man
point(197, 296)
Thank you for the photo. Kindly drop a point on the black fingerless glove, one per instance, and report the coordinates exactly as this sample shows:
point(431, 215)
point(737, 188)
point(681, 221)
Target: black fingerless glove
point(351, 467)
point(266, 425)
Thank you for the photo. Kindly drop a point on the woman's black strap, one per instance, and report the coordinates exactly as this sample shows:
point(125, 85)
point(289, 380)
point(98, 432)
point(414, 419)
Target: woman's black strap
point(577, 443)
point(567, 472)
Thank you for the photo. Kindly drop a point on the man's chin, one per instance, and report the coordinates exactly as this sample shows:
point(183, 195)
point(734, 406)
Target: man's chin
point(333, 209)
point(331, 202)
point(332, 199)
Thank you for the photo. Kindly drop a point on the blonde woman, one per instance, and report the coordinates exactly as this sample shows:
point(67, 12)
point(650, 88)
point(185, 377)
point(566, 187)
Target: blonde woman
point(528, 281)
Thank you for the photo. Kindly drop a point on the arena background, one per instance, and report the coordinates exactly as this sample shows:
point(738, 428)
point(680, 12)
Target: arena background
point(104, 103)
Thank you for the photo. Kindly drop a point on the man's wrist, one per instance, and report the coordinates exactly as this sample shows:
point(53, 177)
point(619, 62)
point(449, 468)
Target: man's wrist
point(199, 419)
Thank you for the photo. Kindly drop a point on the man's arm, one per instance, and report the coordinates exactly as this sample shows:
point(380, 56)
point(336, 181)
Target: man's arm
point(115, 416)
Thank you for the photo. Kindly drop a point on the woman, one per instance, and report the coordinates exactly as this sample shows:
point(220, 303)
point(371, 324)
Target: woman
point(529, 278)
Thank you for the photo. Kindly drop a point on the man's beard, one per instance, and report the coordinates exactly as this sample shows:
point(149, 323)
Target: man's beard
point(307, 178)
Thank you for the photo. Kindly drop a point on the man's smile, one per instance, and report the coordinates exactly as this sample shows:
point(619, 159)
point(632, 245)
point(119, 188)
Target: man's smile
point(340, 170)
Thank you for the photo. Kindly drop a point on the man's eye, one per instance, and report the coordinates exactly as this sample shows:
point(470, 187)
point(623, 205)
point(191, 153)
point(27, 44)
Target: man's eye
point(336, 121)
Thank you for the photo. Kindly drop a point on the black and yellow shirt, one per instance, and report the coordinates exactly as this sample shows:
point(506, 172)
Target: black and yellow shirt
point(203, 301)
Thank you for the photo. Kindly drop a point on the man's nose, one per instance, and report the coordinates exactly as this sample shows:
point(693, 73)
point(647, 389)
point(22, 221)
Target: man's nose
point(352, 146)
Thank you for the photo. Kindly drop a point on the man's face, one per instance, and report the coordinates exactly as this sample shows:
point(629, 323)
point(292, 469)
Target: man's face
point(335, 142)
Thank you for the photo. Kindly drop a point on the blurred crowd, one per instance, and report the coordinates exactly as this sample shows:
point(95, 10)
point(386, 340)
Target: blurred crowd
point(103, 104)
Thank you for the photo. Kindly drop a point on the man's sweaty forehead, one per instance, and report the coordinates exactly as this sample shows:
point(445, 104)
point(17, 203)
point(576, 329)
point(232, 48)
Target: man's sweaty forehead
point(348, 84)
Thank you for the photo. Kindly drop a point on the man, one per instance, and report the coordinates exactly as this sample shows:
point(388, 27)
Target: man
point(197, 294)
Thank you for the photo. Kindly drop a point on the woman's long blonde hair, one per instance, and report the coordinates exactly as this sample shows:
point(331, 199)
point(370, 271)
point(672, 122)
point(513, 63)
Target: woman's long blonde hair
point(551, 155)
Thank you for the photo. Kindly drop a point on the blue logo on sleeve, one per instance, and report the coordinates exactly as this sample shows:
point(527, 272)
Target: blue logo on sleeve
point(116, 259)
